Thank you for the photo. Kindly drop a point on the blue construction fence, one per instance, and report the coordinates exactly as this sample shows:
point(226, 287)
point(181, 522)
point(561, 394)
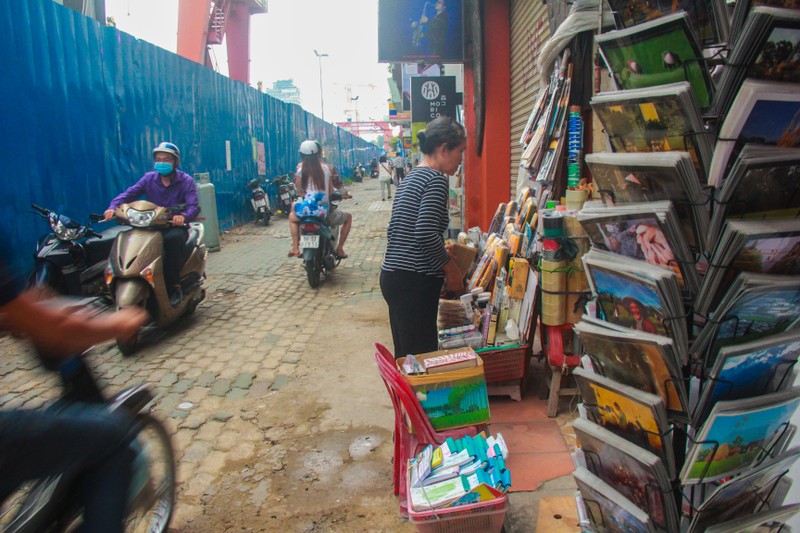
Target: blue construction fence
point(82, 105)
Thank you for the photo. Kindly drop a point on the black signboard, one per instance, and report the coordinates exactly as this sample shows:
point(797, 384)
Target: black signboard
point(433, 96)
point(420, 31)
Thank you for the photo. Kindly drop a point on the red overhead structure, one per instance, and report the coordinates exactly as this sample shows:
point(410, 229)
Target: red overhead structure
point(369, 126)
point(202, 23)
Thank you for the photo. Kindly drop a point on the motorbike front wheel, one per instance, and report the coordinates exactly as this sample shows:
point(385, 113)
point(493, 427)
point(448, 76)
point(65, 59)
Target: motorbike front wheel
point(129, 294)
point(46, 277)
point(314, 269)
point(153, 500)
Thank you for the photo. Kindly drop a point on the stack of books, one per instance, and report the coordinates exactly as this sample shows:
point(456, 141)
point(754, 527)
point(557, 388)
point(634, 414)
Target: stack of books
point(459, 472)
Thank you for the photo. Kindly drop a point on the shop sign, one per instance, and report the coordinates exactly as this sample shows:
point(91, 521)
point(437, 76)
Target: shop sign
point(433, 97)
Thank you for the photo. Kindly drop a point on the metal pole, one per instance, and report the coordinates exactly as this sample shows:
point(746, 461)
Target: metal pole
point(321, 99)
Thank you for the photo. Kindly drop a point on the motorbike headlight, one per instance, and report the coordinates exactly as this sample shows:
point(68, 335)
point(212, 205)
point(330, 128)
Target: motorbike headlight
point(65, 233)
point(139, 219)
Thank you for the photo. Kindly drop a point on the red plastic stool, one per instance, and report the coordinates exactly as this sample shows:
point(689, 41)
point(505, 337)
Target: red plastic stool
point(561, 364)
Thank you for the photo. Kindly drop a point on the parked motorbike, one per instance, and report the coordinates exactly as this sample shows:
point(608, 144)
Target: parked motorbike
point(51, 504)
point(259, 201)
point(285, 193)
point(358, 173)
point(135, 272)
point(318, 245)
point(70, 260)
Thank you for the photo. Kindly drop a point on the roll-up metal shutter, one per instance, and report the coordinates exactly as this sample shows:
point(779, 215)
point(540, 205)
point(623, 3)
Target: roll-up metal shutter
point(529, 31)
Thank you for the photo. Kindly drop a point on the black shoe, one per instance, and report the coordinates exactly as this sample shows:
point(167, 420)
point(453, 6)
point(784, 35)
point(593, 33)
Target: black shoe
point(175, 295)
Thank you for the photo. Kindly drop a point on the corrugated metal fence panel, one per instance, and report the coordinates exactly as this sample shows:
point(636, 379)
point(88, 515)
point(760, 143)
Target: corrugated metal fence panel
point(529, 31)
point(82, 106)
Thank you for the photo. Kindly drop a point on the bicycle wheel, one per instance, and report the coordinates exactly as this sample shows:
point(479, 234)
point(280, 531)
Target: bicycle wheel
point(153, 484)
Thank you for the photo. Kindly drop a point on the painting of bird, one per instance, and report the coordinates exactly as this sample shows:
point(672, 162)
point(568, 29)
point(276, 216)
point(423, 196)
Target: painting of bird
point(670, 59)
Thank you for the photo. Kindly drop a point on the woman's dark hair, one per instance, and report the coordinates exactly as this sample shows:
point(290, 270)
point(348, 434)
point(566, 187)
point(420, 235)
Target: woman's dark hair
point(382, 159)
point(312, 168)
point(442, 130)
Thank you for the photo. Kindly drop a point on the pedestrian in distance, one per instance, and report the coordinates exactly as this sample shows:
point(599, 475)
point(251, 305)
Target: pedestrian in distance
point(312, 175)
point(417, 265)
point(39, 443)
point(399, 170)
point(167, 186)
point(385, 178)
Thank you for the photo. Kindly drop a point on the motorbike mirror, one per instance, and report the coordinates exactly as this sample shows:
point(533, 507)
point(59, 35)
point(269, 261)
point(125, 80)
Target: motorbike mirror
point(40, 210)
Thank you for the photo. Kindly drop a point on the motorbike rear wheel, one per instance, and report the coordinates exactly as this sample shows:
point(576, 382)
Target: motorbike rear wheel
point(152, 507)
point(264, 216)
point(314, 269)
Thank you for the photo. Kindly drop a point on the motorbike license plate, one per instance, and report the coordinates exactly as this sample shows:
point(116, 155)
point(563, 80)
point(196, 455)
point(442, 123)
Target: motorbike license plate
point(285, 196)
point(261, 203)
point(309, 241)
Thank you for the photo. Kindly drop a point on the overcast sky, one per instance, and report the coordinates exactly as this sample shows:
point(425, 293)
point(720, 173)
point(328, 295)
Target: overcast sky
point(282, 44)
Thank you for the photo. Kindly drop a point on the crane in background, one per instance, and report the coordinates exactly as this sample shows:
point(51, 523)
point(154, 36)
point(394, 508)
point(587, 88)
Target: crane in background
point(203, 23)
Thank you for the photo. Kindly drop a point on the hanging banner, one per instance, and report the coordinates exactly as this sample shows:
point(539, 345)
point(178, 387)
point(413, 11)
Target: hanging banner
point(433, 97)
point(419, 30)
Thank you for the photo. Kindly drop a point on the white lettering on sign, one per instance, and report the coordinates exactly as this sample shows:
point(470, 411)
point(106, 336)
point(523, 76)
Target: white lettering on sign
point(430, 90)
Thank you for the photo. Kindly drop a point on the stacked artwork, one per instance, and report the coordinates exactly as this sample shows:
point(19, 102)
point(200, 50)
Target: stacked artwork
point(695, 271)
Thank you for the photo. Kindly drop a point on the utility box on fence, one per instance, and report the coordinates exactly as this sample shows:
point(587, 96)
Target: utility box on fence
point(208, 210)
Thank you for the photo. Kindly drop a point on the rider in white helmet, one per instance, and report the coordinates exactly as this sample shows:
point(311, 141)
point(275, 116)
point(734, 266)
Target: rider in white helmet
point(314, 175)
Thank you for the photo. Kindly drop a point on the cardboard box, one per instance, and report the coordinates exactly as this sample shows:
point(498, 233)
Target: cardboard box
point(519, 279)
point(464, 256)
point(452, 399)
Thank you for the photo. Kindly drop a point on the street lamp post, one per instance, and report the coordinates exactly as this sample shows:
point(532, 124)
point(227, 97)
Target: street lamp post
point(355, 101)
point(321, 100)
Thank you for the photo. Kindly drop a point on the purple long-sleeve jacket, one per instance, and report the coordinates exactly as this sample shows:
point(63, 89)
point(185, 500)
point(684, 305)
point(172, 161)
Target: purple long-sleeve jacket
point(182, 190)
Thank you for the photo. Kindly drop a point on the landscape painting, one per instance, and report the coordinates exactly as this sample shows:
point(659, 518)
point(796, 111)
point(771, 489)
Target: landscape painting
point(772, 122)
point(779, 58)
point(767, 191)
point(762, 312)
point(732, 440)
point(750, 369)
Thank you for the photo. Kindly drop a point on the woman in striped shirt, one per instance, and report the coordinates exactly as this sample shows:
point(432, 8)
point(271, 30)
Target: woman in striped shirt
point(417, 264)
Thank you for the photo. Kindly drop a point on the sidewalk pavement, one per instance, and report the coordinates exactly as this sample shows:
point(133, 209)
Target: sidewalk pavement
point(263, 403)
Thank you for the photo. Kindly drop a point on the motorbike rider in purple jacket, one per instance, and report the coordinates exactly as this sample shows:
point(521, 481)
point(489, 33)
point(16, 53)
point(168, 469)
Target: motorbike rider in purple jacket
point(167, 186)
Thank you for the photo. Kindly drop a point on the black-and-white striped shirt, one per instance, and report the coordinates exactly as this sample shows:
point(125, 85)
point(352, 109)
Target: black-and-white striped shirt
point(419, 220)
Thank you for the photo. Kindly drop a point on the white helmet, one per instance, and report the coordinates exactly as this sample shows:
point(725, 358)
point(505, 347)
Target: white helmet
point(310, 147)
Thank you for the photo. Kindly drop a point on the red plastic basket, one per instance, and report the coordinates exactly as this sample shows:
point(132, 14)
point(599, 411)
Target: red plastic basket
point(504, 365)
point(481, 517)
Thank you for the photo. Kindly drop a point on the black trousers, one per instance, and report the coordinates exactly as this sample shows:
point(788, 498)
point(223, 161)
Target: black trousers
point(413, 300)
point(174, 254)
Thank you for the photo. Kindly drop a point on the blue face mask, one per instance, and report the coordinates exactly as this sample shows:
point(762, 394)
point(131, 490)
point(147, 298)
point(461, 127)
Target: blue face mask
point(163, 168)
